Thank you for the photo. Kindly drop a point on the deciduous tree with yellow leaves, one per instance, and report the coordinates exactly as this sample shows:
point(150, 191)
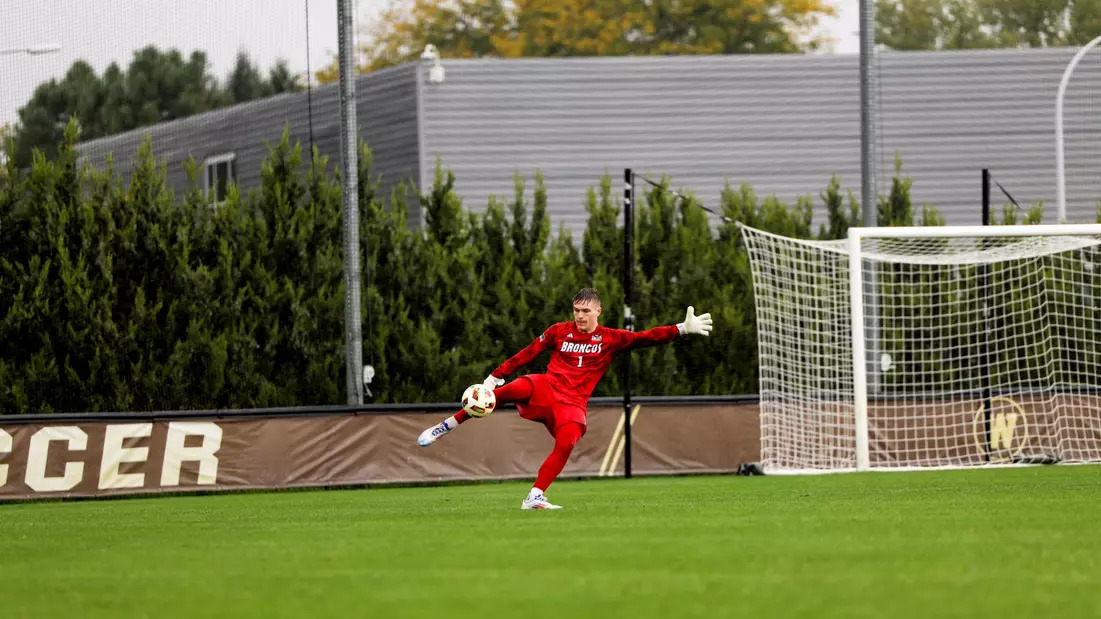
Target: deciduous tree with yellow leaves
point(542, 28)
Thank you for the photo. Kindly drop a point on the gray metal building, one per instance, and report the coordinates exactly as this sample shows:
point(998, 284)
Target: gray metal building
point(781, 123)
point(387, 117)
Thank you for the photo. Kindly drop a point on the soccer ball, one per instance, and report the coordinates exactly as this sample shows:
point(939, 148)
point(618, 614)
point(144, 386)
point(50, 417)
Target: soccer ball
point(478, 400)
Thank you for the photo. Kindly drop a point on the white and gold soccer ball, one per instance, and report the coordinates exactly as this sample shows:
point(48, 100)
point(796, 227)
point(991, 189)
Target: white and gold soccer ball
point(479, 400)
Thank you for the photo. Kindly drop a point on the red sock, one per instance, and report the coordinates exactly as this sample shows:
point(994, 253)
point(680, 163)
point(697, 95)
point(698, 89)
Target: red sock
point(564, 440)
point(518, 390)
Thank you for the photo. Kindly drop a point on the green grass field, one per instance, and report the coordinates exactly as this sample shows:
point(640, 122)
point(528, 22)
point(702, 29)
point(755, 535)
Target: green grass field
point(986, 543)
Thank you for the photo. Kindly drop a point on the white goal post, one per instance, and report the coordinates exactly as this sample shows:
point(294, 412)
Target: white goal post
point(920, 347)
point(1084, 124)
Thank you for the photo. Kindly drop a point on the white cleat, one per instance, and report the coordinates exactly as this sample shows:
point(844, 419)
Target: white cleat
point(538, 502)
point(433, 434)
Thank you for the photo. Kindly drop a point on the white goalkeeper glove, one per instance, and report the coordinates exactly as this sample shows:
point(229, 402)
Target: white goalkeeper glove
point(693, 324)
point(493, 382)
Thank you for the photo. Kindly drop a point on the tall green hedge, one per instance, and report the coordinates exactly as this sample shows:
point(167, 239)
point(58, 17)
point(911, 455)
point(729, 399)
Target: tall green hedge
point(123, 296)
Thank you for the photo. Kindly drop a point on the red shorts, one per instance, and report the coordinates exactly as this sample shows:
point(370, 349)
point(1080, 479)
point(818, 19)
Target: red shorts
point(543, 406)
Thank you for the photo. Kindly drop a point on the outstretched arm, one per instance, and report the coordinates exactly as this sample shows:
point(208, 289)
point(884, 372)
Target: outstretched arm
point(520, 359)
point(650, 337)
point(692, 325)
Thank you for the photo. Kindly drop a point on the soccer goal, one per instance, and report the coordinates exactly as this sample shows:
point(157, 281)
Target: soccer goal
point(929, 347)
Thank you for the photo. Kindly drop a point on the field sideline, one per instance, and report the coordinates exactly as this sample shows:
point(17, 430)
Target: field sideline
point(976, 543)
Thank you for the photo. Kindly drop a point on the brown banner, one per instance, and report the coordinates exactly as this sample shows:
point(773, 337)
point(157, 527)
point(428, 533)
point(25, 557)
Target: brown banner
point(1019, 427)
point(96, 458)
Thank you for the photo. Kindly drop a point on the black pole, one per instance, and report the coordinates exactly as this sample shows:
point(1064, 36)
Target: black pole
point(985, 197)
point(628, 318)
point(309, 81)
point(985, 272)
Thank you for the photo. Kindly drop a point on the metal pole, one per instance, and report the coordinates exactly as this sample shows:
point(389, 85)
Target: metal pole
point(349, 166)
point(628, 317)
point(868, 194)
point(986, 335)
point(868, 87)
point(309, 81)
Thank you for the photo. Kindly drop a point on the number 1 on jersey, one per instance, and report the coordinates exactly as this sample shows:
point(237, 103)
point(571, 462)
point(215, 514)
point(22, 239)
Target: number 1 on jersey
point(579, 358)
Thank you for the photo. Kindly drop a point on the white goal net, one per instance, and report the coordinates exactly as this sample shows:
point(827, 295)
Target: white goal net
point(965, 346)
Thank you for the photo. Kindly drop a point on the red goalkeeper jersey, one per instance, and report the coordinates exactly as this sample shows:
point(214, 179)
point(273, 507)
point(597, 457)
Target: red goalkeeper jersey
point(578, 360)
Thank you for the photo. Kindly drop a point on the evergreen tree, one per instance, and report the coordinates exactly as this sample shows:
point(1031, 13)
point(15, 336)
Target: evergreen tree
point(157, 86)
point(121, 296)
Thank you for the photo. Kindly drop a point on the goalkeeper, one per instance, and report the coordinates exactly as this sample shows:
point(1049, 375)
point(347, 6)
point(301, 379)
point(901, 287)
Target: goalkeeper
point(581, 351)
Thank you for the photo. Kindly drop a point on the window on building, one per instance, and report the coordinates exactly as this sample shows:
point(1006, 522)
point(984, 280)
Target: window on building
point(218, 173)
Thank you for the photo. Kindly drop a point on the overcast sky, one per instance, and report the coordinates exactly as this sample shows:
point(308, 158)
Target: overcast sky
point(105, 31)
